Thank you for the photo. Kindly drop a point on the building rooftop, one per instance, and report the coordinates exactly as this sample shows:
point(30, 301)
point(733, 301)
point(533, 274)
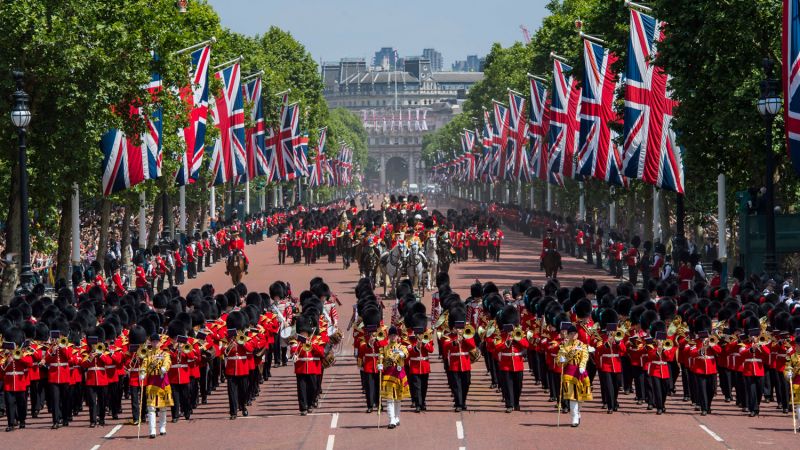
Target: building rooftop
point(457, 77)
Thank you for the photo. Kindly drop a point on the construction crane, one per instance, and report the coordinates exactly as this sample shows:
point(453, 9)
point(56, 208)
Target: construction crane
point(526, 34)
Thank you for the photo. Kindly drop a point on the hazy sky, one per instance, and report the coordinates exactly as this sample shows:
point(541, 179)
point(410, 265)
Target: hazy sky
point(332, 29)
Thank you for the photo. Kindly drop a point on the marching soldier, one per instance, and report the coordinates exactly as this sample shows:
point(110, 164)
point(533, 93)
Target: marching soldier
point(307, 351)
point(509, 349)
point(394, 383)
point(456, 348)
point(572, 358)
point(282, 242)
point(155, 382)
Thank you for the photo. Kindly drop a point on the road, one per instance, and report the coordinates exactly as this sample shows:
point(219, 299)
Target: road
point(341, 422)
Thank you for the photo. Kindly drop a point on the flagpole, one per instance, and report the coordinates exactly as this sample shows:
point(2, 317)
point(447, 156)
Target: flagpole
point(182, 209)
point(247, 198)
point(213, 40)
point(581, 202)
point(612, 212)
point(142, 224)
point(253, 75)
point(532, 197)
point(632, 5)
point(549, 197)
point(76, 225)
point(228, 63)
point(212, 203)
point(656, 214)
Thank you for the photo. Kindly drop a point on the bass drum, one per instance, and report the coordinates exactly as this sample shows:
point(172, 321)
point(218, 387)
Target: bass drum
point(287, 332)
point(328, 360)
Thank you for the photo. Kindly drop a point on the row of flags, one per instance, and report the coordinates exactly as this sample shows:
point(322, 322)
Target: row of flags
point(410, 120)
point(569, 133)
point(239, 154)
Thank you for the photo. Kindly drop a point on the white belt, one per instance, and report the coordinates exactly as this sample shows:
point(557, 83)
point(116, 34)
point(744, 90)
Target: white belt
point(135, 370)
point(460, 354)
point(658, 362)
point(610, 355)
point(59, 364)
point(180, 366)
point(15, 373)
point(781, 355)
point(96, 368)
point(371, 355)
point(510, 354)
point(111, 367)
point(236, 358)
point(419, 358)
point(308, 359)
point(705, 357)
point(753, 360)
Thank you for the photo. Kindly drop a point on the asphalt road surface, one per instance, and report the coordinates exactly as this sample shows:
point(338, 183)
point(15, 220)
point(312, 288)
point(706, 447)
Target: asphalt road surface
point(342, 423)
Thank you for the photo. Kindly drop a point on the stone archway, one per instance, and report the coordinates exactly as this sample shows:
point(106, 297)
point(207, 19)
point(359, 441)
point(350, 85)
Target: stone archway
point(396, 170)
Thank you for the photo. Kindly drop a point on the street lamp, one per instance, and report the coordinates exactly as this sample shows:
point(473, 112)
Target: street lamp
point(21, 117)
point(768, 106)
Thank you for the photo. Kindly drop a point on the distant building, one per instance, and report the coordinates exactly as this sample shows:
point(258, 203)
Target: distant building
point(397, 108)
point(437, 62)
point(472, 64)
point(384, 58)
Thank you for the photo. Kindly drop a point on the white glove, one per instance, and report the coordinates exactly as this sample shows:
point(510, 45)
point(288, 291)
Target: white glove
point(163, 371)
point(380, 367)
point(582, 371)
point(562, 360)
point(141, 375)
point(789, 375)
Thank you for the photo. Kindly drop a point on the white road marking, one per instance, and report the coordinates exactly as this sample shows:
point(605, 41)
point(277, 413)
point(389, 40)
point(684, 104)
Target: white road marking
point(462, 448)
point(712, 434)
point(334, 420)
point(113, 431)
point(95, 447)
point(331, 438)
point(459, 429)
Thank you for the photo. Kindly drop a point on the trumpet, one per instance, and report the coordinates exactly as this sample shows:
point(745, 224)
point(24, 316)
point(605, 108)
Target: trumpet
point(63, 341)
point(619, 335)
point(426, 337)
point(186, 348)
point(469, 332)
point(518, 334)
point(667, 345)
point(99, 348)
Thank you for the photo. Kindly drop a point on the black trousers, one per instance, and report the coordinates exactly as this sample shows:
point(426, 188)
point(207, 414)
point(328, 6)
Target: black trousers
point(725, 382)
point(372, 389)
point(136, 412)
point(419, 388)
point(237, 393)
point(179, 275)
point(640, 383)
point(37, 395)
point(96, 397)
point(782, 390)
point(706, 386)
point(661, 387)
point(633, 274)
point(16, 407)
point(511, 383)
point(60, 402)
point(609, 388)
point(281, 256)
point(460, 387)
point(754, 389)
point(202, 383)
point(114, 399)
point(191, 269)
point(180, 401)
point(306, 390)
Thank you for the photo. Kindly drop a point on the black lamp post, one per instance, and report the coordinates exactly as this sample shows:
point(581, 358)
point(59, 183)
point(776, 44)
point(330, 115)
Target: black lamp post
point(21, 117)
point(769, 104)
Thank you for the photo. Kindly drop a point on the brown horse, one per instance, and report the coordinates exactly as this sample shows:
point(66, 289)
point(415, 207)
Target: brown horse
point(551, 263)
point(235, 266)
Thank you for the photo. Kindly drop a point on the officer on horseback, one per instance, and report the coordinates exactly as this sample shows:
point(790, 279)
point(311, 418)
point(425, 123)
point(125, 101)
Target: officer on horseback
point(237, 244)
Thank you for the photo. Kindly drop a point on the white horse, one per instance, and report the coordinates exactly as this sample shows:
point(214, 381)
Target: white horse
point(416, 268)
point(431, 252)
point(393, 265)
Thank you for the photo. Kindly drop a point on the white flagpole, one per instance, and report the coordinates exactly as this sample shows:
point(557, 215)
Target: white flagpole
point(212, 204)
point(247, 198)
point(182, 210)
point(142, 224)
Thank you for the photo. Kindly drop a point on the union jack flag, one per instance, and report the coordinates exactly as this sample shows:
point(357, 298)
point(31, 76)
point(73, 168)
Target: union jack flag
point(650, 151)
point(230, 114)
point(127, 162)
point(791, 79)
point(485, 167)
point(196, 96)
point(316, 169)
point(538, 127)
point(500, 141)
point(599, 155)
point(564, 124)
point(470, 139)
point(257, 163)
point(289, 131)
point(301, 155)
point(518, 137)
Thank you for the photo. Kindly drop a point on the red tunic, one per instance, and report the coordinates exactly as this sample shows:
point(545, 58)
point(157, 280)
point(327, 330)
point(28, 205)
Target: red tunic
point(457, 353)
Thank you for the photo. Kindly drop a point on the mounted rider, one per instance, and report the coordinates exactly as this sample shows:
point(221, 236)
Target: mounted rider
point(237, 244)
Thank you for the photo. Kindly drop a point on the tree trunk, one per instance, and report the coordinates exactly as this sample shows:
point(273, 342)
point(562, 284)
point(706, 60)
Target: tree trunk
point(667, 206)
point(105, 219)
point(191, 218)
point(202, 212)
point(647, 198)
point(152, 237)
point(64, 240)
point(12, 232)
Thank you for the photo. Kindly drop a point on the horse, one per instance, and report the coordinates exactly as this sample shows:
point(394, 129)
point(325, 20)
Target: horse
point(551, 263)
point(372, 259)
point(235, 266)
point(345, 242)
point(445, 256)
point(416, 268)
point(431, 249)
point(393, 264)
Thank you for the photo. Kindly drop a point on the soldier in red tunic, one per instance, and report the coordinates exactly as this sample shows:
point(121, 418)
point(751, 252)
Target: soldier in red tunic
point(509, 349)
point(237, 244)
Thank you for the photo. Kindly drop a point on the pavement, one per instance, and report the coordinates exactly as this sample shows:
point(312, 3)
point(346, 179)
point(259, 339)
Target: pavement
point(342, 423)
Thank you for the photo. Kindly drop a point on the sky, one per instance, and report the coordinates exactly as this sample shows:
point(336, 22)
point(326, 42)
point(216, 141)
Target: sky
point(334, 29)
